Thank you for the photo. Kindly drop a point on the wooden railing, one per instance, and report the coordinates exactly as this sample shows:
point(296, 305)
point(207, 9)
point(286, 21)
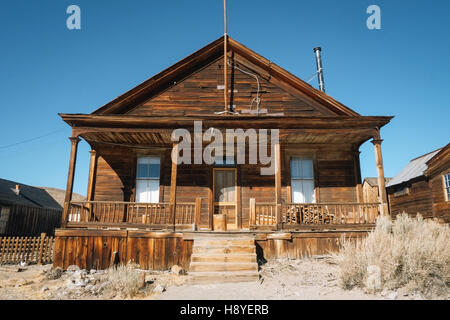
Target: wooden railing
point(265, 214)
point(329, 213)
point(116, 212)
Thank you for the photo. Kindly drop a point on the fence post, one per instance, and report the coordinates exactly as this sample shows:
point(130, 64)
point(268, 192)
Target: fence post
point(41, 248)
point(198, 207)
point(252, 212)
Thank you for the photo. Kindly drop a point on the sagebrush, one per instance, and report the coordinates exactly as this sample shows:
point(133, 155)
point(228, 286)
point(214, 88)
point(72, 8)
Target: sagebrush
point(410, 252)
point(124, 280)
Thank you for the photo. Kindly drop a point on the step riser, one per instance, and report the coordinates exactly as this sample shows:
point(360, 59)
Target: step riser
point(206, 280)
point(227, 258)
point(229, 250)
point(222, 243)
point(223, 267)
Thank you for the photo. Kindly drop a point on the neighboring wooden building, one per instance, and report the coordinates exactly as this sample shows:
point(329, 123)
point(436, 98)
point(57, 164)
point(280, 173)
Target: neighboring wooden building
point(438, 173)
point(423, 186)
point(370, 189)
point(29, 211)
point(134, 184)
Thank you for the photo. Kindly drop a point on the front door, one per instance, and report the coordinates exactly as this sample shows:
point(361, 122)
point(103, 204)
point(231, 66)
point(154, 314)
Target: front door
point(225, 195)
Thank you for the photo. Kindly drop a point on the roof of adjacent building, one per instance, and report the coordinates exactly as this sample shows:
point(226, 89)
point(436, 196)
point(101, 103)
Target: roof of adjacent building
point(374, 181)
point(33, 196)
point(415, 169)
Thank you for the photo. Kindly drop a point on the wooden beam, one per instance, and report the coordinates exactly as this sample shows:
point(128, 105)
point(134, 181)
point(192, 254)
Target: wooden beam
point(90, 188)
point(278, 182)
point(173, 181)
point(380, 174)
point(69, 188)
point(92, 169)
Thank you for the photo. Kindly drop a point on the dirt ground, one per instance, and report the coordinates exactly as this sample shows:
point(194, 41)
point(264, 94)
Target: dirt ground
point(307, 279)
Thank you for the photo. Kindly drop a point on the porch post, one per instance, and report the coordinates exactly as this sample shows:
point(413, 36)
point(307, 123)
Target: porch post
point(173, 183)
point(92, 168)
point(69, 188)
point(90, 188)
point(384, 210)
point(278, 184)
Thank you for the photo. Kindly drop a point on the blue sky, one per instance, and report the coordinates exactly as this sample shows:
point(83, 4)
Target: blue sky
point(401, 70)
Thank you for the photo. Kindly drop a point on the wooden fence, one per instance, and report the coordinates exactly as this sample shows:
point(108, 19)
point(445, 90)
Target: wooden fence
point(26, 249)
point(25, 220)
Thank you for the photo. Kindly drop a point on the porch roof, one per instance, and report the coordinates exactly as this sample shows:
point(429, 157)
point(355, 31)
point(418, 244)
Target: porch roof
point(156, 130)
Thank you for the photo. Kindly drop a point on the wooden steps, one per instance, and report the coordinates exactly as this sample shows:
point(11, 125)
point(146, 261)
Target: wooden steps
point(218, 260)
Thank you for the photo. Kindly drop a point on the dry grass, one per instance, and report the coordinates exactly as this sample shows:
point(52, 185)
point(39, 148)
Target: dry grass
point(410, 252)
point(123, 281)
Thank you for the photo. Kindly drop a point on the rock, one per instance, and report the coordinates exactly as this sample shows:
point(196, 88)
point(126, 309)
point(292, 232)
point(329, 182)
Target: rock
point(54, 274)
point(384, 292)
point(373, 281)
point(93, 271)
point(24, 282)
point(73, 268)
point(44, 288)
point(23, 264)
point(392, 295)
point(159, 288)
point(21, 269)
point(176, 269)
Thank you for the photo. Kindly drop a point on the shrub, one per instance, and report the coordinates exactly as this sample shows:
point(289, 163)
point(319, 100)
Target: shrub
point(123, 280)
point(410, 252)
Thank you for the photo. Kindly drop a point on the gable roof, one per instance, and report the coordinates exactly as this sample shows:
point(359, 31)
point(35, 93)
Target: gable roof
point(415, 169)
point(32, 196)
point(373, 182)
point(203, 57)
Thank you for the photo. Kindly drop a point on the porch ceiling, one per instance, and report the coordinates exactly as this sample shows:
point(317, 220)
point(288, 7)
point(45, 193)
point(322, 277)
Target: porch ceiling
point(163, 137)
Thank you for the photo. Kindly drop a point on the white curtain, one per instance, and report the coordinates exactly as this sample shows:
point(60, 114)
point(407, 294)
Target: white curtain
point(302, 180)
point(147, 181)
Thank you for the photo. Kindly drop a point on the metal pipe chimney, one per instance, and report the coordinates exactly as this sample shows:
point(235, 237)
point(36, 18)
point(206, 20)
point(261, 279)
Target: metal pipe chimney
point(317, 51)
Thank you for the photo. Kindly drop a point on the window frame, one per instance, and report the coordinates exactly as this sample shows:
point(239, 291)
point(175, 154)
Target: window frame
point(446, 188)
point(312, 179)
point(137, 178)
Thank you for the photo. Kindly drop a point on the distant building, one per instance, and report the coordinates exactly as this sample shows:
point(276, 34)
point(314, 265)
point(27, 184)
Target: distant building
point(371, 193)
point(26, 210)
point(423, 186)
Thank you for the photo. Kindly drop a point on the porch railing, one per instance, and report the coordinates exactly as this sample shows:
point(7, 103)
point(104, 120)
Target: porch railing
point(116, 212)
point(291, 214)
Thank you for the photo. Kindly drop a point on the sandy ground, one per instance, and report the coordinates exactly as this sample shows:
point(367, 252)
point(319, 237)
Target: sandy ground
point(307, 279)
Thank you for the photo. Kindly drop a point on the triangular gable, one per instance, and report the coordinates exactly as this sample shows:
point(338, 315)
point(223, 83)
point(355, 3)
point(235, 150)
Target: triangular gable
point(179, 84)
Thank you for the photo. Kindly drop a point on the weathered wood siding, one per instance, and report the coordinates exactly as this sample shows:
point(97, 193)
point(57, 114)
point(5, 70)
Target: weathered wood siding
point(303, 245)
point(198, 93)
point(370, 193)
point(441, 207)
point(95, 249)
point(23, 220)
point(418, 200)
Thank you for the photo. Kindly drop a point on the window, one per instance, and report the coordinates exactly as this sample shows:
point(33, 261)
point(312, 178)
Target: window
point(447, 185)
point(147, 179)
point(402, 192)
point(302, 180)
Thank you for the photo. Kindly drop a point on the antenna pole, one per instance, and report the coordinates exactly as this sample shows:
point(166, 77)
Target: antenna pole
point(225, 67)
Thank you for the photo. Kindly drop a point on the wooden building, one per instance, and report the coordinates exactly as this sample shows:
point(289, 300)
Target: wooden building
point(29, 211)
point(370, 190)
point(148, 209)
point(423, 186)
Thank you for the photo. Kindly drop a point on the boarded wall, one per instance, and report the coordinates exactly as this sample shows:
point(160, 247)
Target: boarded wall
point(22, 220)
point(100, 249)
